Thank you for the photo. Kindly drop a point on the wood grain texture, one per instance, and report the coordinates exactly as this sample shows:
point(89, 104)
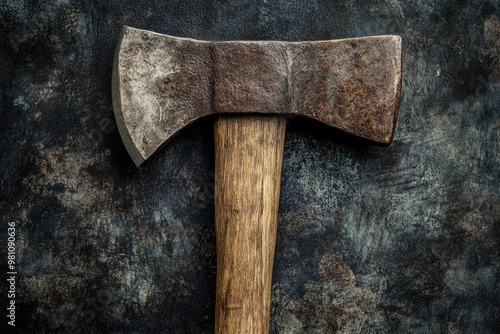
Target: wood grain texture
point(249, 152)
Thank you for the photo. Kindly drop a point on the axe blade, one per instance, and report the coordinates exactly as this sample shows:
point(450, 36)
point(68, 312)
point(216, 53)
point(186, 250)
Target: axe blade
point(163, 83)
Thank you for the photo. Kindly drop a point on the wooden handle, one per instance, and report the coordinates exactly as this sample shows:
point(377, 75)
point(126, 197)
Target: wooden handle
point(248, 157)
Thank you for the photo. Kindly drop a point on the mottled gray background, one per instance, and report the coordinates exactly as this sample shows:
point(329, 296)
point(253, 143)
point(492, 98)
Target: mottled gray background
point(399, 239)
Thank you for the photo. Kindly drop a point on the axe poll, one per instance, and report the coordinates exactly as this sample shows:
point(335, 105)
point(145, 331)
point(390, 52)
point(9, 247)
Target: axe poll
point(163, 83)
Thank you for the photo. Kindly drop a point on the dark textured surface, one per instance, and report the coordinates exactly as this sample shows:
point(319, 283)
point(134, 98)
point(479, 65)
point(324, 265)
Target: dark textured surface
point(371, 239)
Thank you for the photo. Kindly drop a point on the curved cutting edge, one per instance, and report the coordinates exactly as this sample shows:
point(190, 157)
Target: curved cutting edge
point(163, 83)
point(134, 153)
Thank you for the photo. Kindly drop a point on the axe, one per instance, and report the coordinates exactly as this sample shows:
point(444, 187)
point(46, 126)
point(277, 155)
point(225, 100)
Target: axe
point(163, 83)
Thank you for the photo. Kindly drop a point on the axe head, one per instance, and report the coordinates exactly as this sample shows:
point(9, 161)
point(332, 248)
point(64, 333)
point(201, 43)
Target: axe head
point(163, 83)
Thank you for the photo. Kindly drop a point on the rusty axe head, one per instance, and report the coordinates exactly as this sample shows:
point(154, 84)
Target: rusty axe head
point(163, 83)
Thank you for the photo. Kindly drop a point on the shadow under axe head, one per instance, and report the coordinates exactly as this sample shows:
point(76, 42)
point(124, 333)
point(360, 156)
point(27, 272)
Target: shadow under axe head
point(163, 83)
